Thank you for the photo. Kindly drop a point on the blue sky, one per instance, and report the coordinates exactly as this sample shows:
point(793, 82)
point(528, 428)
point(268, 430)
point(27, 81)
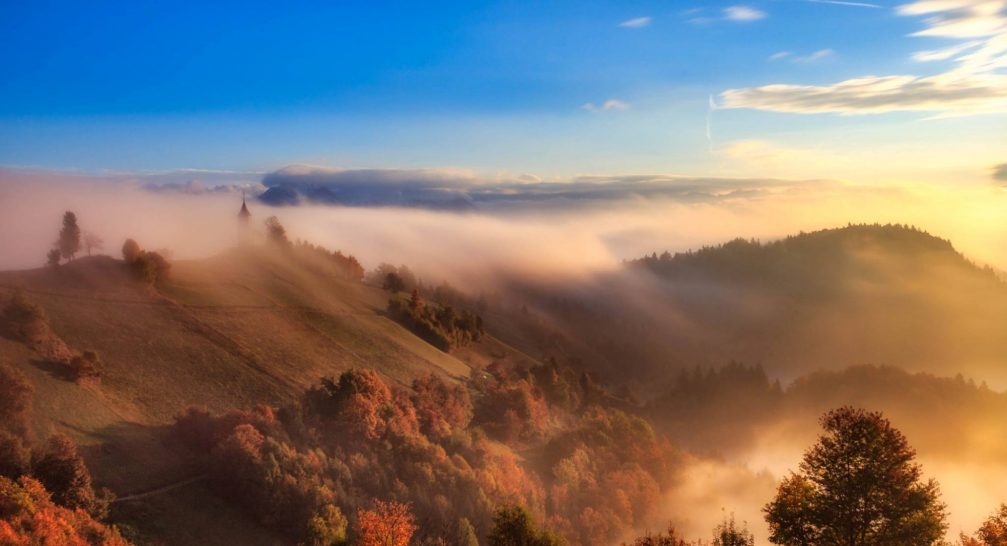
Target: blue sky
point(557, 88)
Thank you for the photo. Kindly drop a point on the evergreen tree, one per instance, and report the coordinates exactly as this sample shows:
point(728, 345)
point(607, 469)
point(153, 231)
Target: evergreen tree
point(69, 236)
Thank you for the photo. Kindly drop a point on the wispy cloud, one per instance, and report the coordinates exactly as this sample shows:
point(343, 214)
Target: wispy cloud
point(819, 55)
point(743, 14)
point(844, 3)
point(636, 22)
point(977, 84)
point(610, 104)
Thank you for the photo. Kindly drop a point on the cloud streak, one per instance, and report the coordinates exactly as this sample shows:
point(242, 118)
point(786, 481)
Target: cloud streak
point(976, 84)
point(636, 22)
point(850, 4)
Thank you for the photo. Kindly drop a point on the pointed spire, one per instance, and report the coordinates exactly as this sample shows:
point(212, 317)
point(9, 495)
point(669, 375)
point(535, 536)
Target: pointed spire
point(243, 214)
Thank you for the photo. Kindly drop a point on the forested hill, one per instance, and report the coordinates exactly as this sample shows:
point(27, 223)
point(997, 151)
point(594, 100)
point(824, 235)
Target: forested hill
point(818, 261)
point(883, 294)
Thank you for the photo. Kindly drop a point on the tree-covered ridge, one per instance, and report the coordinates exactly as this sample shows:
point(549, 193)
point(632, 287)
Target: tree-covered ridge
point(813, 259)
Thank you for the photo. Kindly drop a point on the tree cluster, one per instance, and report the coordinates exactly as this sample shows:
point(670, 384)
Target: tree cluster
point(355, 440)
point(437, 324)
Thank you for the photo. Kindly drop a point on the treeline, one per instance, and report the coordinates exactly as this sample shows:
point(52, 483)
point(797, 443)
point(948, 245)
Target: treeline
point(46, 496)
point(447, 451)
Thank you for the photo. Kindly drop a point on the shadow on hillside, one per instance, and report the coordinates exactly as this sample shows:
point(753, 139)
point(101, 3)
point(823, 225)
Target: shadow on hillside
point(57, 370)
point(130, 457)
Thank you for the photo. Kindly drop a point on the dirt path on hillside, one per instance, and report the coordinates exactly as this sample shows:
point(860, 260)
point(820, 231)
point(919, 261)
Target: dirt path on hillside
point(159, 490)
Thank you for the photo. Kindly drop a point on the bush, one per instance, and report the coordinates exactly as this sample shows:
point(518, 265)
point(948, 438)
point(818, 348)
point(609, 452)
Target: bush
point(15, 403)
point(151, 267)
point(85, 366)
point(26, 318)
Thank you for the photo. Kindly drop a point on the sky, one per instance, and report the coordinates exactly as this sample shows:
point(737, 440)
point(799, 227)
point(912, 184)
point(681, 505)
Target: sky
point(865, 92)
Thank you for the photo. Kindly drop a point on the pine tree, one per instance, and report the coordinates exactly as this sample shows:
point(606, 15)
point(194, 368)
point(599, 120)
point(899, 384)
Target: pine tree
point(69, 236)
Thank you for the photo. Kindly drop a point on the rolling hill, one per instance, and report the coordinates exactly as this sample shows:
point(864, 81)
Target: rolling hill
point(248, 327)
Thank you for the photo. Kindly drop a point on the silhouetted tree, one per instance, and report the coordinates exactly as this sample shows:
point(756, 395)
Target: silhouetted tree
point(514, 526)
point(389, 524)
point(92, 242)
point(276, 232)
point(858, 486)
point(52, 258)
point(69, 236)
point(130, 251)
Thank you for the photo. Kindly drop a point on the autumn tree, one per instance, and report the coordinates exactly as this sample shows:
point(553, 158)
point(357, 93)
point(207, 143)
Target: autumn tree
point(858, 486)
point(993, 531)
point(514, 526)
point(69, 236)
point(92, 242)
point(29, 516)
point(388, 524)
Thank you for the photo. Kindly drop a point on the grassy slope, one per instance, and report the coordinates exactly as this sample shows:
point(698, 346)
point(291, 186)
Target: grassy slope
point(233, 331)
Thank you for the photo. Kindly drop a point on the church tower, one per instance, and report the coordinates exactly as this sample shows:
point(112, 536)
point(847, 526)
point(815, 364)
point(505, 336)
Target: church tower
point(243, 215)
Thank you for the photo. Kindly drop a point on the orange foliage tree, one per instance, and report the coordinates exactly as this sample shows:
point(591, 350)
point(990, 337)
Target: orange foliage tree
point(29, 517)
point(389, 524)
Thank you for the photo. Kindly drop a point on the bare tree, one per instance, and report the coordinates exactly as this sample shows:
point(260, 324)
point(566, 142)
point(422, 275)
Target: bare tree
point(92, 242)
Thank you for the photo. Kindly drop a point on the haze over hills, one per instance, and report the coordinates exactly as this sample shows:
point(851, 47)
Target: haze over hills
point(863, 294)
point(260, 325)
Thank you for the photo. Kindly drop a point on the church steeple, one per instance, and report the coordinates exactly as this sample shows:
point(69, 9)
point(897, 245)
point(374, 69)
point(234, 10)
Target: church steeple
point(243, 214)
